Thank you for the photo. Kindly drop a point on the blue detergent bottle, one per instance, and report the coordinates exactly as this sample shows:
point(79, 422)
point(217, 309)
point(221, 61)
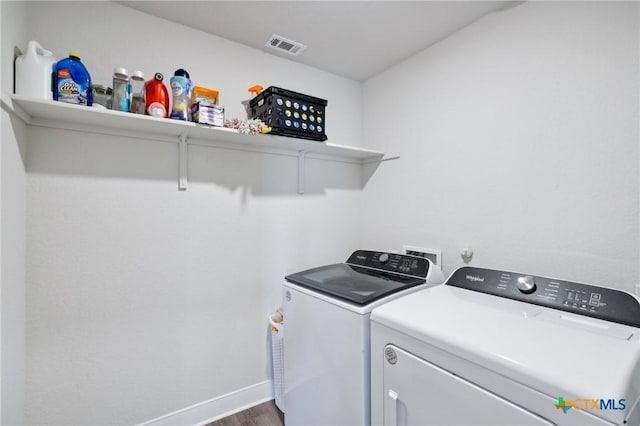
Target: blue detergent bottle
point(71, 81)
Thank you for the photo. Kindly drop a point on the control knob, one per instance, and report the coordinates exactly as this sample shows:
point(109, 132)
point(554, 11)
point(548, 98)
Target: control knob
point(526, 284)
point(384, 257)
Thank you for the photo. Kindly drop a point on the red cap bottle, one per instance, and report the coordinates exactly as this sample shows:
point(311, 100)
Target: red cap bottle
point(157, 97)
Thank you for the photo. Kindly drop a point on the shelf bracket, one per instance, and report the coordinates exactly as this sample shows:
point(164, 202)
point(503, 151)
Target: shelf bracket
point(301, 168)
point(182, 166)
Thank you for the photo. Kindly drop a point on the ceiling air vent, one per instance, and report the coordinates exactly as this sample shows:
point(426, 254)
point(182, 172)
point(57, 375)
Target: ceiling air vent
point(285, 45)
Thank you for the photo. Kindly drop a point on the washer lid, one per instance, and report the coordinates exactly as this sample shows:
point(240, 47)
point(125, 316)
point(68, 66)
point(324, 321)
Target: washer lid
point(355, 284)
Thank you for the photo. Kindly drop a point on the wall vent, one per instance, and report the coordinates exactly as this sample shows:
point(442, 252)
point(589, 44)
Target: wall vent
point(283, 44)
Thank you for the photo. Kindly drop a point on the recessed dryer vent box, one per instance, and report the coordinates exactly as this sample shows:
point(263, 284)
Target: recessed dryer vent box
point(433, 255)
point(291, 113)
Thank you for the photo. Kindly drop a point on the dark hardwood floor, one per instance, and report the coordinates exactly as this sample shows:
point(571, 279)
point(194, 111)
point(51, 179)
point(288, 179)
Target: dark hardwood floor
point(266, 414)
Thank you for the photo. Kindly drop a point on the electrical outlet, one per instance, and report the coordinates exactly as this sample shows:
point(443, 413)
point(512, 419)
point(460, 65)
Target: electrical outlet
point(433, 255)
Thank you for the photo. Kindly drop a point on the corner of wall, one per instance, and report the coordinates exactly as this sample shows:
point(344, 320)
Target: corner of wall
point(12, 227)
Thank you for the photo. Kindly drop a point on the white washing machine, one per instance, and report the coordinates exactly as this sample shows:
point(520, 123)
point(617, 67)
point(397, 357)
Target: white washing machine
point(326, 349)
point(500, 348)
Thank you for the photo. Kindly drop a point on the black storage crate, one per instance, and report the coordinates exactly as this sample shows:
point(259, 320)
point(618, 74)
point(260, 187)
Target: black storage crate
point(290, 113)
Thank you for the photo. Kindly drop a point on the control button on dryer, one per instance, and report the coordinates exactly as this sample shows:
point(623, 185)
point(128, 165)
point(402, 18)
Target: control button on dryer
point(526, 284)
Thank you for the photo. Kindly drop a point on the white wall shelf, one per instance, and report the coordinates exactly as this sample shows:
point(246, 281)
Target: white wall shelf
point(40, 112)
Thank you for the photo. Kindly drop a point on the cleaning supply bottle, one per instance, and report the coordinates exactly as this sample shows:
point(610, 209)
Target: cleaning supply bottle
point(121, 90)
point(138, 105)
point(157, 97)
point(181, 88)
point(254, 91)
point(72, 82)
point(33, 72)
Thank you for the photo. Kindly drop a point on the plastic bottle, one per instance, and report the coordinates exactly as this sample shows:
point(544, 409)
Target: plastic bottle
point(102, 96)
point(33, 72)
point(71, 81)
point(138, 105)
point(157, 97)
point(181, 88)
point(254, 91)
point(121, 90)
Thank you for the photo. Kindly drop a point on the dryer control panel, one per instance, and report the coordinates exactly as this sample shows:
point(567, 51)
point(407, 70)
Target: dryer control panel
point(583, 299)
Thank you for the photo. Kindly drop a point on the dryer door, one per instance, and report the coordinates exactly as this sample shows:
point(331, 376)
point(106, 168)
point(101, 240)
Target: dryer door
point(417, 392)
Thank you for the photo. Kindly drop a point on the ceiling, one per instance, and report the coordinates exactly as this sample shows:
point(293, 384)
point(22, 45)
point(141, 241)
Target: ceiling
point(355, 39)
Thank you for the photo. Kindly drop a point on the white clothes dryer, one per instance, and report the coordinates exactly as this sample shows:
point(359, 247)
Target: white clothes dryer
point(501, 348)
point(326, 348)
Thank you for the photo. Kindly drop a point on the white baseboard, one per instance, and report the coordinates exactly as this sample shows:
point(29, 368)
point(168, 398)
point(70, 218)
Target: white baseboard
point(216, 408)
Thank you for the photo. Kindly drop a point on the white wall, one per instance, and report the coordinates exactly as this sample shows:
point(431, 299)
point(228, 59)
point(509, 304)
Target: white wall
point(519, 138)
point(12, 227)
point(143, 300)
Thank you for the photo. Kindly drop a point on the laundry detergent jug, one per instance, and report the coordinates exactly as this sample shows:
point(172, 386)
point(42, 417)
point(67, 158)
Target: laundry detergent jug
point(157, 97)
point(72, 82)
point(33, 72)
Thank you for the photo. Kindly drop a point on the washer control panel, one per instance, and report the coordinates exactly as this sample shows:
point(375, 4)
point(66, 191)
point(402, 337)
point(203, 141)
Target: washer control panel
point(392, 262)
point(597, 302)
